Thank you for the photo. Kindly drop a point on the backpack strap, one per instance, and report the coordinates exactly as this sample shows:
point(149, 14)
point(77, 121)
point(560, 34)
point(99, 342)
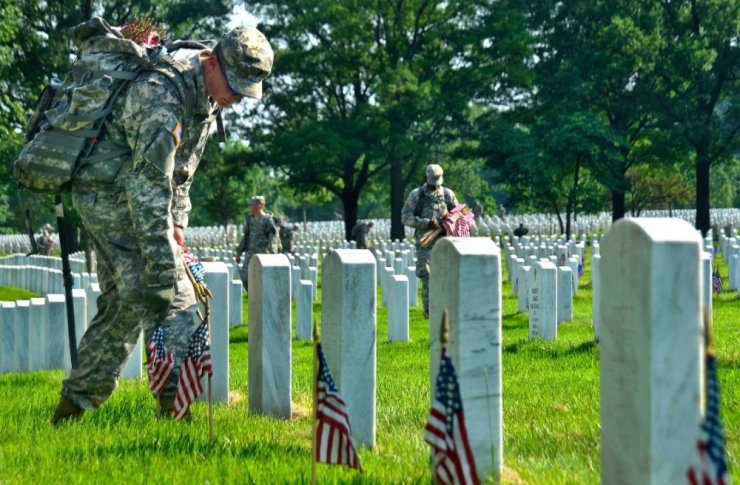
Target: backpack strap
point(417, 208)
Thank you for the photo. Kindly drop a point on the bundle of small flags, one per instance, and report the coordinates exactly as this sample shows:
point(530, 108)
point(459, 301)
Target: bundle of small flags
point(455, 223)
point(196, 365)
point(333, 432)
point(161, 364)
point(196, 268)
point(143, 31)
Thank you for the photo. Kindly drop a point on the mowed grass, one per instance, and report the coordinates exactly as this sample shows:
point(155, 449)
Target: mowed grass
point(551, 415)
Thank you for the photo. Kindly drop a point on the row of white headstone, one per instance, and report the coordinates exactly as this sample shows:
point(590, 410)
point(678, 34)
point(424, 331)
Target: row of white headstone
point(651, 308)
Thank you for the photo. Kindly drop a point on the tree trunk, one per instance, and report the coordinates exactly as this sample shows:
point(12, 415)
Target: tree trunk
point(350, 205)
point(703, 221)
point(618, 205)
point(397, 196)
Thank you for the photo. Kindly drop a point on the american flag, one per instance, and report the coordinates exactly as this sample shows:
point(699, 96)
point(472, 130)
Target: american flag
point(712, 467)
point(161, 363)
point(716, 282)
point(445, 431)
point(333, 433)
point(196, 365)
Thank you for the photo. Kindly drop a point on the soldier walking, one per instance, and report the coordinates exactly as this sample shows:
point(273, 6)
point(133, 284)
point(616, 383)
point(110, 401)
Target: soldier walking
point(424, 209)
point(261, 235)
point(361, 234)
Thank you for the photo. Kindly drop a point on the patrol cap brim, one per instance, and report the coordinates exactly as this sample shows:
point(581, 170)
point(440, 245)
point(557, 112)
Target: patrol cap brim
point(244, 88)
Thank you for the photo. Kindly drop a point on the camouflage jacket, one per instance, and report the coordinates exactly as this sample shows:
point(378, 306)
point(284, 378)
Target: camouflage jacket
point(163, 119)
point(424, 204)
point(260, 235)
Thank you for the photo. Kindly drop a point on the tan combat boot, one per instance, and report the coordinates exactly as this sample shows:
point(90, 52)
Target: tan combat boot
point(66, 410)
point(166, 408)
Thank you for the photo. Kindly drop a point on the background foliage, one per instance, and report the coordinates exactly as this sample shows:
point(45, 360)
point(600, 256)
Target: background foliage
point(582, 106)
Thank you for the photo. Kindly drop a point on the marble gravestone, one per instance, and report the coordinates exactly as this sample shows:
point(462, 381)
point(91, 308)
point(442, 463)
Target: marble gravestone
point(217, 278)
point(467, 283)
point(269, 322)
point(543, 314)
point(348, 335)
point(650, 330)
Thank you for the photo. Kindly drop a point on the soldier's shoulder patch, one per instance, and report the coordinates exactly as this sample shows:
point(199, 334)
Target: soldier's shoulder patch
point(175, 129)
point(410, 202)
point(177, 133)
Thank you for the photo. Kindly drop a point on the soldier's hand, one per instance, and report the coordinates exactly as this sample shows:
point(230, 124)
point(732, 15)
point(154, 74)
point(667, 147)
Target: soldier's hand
point(159, 298)
point(433, 224)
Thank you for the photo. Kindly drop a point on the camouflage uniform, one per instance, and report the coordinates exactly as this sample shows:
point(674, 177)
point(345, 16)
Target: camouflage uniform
point(130, 223)
point(361, 234)
point(260, 237)
point(422, 205)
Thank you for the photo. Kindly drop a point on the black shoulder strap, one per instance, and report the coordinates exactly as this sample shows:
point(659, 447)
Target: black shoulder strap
point(417, 207)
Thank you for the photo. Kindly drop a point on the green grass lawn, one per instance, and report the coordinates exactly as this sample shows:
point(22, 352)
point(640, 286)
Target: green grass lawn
point(551, 415)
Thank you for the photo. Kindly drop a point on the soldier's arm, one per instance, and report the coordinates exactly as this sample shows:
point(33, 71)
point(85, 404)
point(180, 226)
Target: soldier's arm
point(243, 242)
point(181, 202)
point(152, 116)
point(407, 213)
point(271, 231)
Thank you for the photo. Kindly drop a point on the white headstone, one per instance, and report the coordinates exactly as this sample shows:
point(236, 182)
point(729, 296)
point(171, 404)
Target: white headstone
point(398, 309)
point(134, 369)
point(543, 313)
point(650, 351)
point(37, 358)
point(348, 334)
point(235, 302)
point(304, 310)
point(269, 335)
point(565, 294)
point(467, 283)
point(217, 279)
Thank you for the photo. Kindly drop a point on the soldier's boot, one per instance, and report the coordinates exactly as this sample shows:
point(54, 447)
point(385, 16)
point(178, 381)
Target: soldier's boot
point(66, 410)
point(166, 409)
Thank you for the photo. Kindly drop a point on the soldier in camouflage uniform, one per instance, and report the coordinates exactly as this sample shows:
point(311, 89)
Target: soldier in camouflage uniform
point(361, 234)
point(135, 222)
point(260, 236)
point(423, 210)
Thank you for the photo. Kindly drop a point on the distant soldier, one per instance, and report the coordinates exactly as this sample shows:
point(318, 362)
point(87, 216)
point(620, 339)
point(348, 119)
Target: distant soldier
point(424, 210)
point(260, 235)
point(521, 230)
point(361, 234)
point(44, 240)
point(287, 229)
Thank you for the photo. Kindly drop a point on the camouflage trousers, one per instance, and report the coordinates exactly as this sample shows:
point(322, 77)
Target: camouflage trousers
point(114, 330)
point(423, 256)
point(244, 270)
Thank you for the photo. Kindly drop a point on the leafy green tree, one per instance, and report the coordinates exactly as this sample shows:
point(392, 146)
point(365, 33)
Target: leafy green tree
point(364, 88)
point(698, 89)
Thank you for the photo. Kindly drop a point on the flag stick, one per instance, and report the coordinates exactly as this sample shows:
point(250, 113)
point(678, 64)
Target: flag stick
point(314, 444)
point(444, 331)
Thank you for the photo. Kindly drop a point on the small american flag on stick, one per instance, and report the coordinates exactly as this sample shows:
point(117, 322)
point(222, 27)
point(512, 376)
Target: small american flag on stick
point(160, 364)
point(196, 365)
point(333, 439)
point(452, 461)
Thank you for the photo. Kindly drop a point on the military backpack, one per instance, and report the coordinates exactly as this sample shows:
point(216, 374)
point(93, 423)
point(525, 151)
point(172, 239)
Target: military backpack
point(65, 132)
